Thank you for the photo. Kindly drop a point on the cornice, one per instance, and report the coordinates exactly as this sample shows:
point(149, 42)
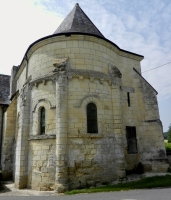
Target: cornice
point(74, 73)
point(41, 137)
point(81, 73)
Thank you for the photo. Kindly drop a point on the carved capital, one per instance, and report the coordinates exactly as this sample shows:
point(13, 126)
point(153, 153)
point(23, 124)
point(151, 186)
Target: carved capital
point(36, 84)
point(91, 79)
point(44, 81)
point(80, 77)
point(60, 65)
point(23, 94)
point(101, 80)
point(114, 72)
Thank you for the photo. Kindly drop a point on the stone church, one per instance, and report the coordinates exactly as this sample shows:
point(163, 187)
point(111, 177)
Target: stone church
point(77, 112)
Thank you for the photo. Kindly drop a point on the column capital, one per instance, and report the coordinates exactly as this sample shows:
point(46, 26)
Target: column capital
point(23, 94)
point(60, 65)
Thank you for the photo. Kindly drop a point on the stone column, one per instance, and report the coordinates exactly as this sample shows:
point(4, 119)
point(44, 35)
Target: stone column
point(61, 128)
point(21, 159)
point(117, 120)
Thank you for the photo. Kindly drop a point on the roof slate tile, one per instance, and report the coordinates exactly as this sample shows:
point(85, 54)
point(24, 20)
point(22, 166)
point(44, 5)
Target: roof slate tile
point(78, 21)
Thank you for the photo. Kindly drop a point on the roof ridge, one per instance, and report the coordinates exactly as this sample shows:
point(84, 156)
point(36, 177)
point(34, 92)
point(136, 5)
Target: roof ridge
point(88, 18)
point(145, 80)
point(66, 18)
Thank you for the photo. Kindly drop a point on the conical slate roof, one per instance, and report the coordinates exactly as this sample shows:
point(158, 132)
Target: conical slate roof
point(77, 21)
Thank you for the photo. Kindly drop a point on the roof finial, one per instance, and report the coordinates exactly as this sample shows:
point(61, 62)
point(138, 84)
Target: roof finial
point(77, 4)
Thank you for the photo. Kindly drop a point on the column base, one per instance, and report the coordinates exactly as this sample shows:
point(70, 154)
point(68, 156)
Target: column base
point(21, 182)
point(60, 188)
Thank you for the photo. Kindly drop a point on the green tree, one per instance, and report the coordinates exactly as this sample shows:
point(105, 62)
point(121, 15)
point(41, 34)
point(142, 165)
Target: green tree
point(169, 134)
point(165, 135)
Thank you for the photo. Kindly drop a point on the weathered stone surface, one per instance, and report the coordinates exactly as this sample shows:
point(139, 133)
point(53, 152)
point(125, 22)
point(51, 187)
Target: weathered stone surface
point(42, 164)
point(4, 89)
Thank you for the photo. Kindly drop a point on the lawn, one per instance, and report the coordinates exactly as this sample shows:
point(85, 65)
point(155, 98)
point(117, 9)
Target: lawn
point(150, 182)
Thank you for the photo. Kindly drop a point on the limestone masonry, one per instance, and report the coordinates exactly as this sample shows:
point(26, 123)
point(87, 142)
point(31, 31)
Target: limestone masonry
point(80, 112)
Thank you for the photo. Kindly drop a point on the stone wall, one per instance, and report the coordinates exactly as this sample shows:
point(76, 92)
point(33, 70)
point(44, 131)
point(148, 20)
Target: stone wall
point(94, 158)
point(81, 92)
point(150, 133)
point(84, 52)
point(42, 164)
point(92, 161)
point(21, 80)
point(43, 96)
point(8, 147)
point(13, 81)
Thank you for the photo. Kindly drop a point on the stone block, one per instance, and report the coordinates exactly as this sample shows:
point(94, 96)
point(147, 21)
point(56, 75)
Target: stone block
point(147, 167)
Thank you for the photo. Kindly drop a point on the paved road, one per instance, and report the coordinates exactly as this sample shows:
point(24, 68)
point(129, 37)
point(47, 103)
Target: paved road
point(146, 194)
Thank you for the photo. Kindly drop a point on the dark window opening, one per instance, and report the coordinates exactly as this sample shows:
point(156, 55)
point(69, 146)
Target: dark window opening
point(131, 139)
point(128, 98)
point(92, 118)
point(42, 121)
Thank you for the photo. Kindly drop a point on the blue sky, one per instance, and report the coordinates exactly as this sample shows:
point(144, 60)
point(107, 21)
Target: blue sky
point(139, 26)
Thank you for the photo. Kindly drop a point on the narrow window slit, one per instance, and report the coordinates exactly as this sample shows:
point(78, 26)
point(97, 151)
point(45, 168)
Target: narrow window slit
point(128, 98)
point(92, 118)
point(42, 121)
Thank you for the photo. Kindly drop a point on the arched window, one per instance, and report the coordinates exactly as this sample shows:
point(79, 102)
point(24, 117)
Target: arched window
point(42, 121)
point(92, 118)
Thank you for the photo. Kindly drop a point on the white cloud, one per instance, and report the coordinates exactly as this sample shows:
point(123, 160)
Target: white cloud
point(22, 23)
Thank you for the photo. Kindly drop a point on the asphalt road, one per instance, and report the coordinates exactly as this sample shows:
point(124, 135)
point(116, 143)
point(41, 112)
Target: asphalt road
point(145, 194)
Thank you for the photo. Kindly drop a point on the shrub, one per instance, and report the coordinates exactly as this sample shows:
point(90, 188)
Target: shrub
point(169, 134)
point(165, 135)
point(168, 147)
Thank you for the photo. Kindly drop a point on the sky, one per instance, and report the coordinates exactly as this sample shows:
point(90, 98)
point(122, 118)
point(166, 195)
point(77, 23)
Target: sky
point(139, 26)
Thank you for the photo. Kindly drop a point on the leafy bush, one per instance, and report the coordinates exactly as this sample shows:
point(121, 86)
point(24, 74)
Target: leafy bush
point(165, 135)
point(169, 134)
point(168, 146)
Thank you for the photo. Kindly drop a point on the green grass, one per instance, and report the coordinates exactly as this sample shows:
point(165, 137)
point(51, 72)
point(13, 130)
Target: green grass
point(150, 182)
